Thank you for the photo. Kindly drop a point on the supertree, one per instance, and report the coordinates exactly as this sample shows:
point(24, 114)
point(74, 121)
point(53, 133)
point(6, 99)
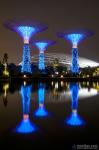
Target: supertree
point(26, 30)
point(41, 111)
point(25, 126)
point(42, 46)
point(75, 37)
point(74, 119)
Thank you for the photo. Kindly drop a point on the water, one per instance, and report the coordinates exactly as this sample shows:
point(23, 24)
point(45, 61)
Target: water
point(49, 114)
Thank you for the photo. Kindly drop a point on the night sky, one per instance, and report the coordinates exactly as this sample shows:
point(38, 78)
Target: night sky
point(58, 15)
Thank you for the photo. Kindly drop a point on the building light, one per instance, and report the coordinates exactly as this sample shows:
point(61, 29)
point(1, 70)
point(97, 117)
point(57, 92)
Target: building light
point(62, 76)
point(24, 76)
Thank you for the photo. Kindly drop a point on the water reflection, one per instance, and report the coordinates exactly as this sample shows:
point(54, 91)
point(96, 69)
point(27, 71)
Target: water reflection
point(5, 90)
point(25, 126)
point(41, 111)
point(74, 119)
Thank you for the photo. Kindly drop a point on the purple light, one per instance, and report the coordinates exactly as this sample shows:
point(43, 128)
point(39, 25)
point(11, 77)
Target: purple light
point(75, 38)
point(26, 32)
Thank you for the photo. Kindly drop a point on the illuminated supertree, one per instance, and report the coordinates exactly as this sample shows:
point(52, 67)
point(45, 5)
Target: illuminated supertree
point(41, 111)
point(74, 119)
point(26, 31)
point(75, 37)
point(42, 46)
point(25, 126)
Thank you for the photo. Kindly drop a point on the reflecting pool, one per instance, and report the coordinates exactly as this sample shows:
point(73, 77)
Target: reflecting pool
point(64, 114)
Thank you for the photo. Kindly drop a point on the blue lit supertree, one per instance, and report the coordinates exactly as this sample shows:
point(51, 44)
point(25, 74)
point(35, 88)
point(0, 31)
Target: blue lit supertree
point(74, 119)
point(42, 46)
point(26, 31)
point(26, 126)
point(41, 111)
point(75, 37)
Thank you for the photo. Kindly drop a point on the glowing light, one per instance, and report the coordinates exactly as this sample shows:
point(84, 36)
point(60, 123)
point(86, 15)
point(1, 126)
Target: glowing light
point(74, 88)
point(57, 73)
point(26, 32)
point(24, 83)
point(75, 64)
point(26, 126)
point(52, 83)
point(6, 87)
point(75, 38)
point(5, 72)
point(42, 45)
point(56, 85)
point(41, 111)
point(26, 93)
point(24, 76)
point(62, 76)
point(74, 119)
point(26, 65)
point(52, 75)
point(41, 61)
point(62, 83)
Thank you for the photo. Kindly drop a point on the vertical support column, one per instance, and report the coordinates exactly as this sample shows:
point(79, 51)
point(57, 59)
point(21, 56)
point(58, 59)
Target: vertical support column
point(75, 66)
point(41, 61)
point(26, 63)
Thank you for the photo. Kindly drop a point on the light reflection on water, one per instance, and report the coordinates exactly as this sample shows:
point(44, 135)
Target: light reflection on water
point(25, 126)
point(74, 119)
point(41, 110)
point(51, 92)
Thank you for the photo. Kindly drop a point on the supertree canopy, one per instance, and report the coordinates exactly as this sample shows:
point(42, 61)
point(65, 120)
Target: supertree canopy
point(25, 126)
point(75, 37)
point(74, 119)
point(41, 111)
point(26, 31)
point(42, 46)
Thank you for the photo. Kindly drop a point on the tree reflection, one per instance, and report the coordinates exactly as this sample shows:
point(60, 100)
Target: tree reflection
point(5, 90)
point(74, 119)
point(26, 126)
point(41, 111)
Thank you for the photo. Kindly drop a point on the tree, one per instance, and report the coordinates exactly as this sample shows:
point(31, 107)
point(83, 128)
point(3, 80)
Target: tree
point(5, 58)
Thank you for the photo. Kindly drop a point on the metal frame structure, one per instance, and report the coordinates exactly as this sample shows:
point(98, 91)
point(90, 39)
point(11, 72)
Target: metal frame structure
point(42, 46)
point(75, 37)
point(26, 30)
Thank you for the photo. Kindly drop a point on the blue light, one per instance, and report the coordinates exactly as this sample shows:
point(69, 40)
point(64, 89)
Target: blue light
point(41, 61)
point(75, 64)
point(42, 45)
point(25, 127)
point(26, 32)
point(75, 38)
point(26, 65)
point(74, 88)
point(26, 94)
point(41, 111)
point(74, 119)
